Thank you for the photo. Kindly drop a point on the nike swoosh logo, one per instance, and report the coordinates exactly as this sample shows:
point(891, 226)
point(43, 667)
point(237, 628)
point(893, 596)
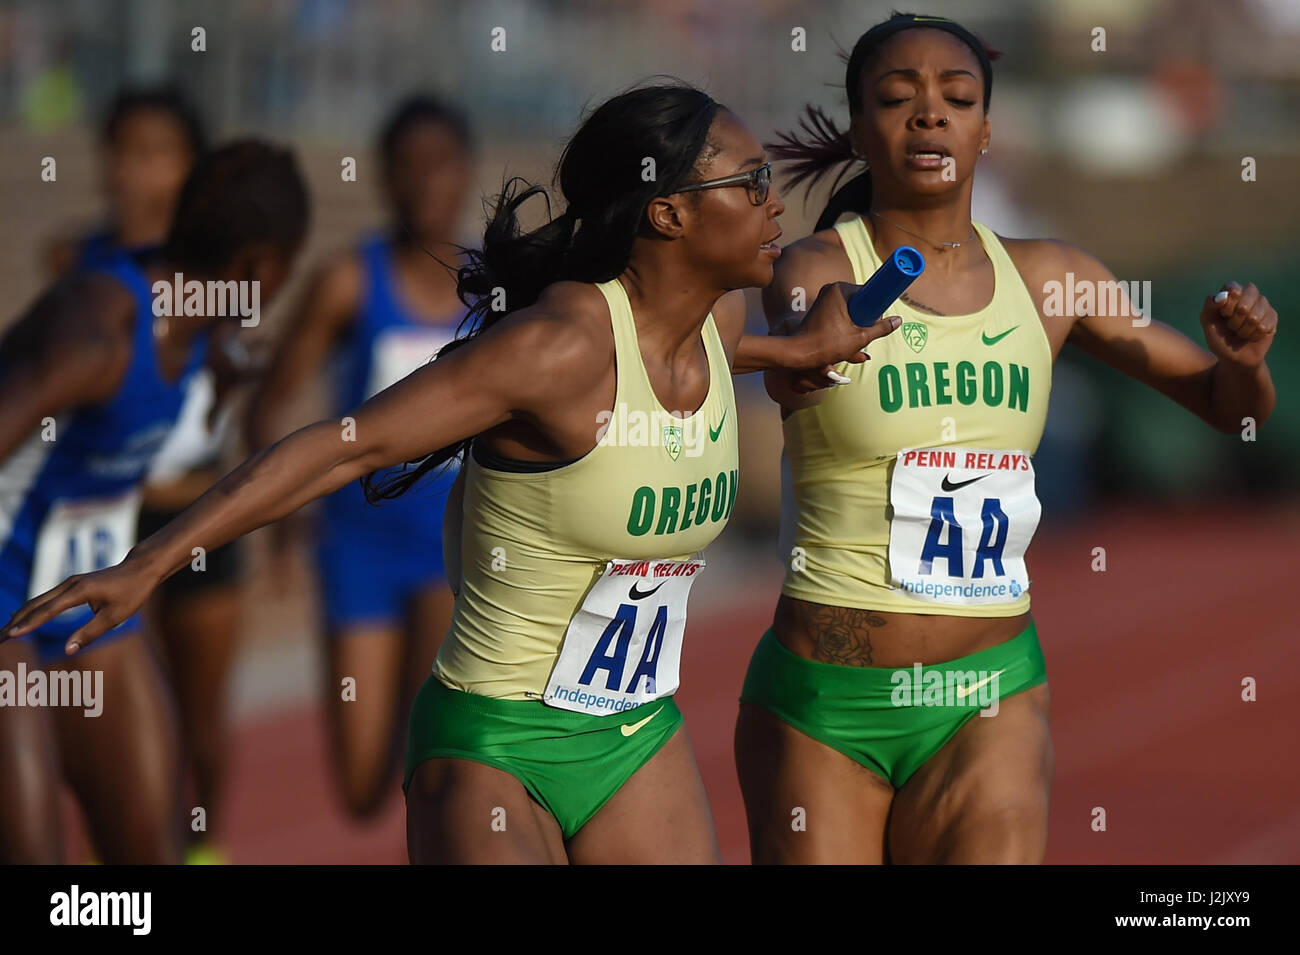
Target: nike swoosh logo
point(640, 594)
point(713, 435)
point(952, 486)
point(997, 338)
point(965, 691)
point(629, 728)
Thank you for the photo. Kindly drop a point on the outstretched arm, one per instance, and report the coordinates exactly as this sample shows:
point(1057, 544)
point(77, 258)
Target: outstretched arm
point(808, 348)
point(1221, 385)
point(459, 395)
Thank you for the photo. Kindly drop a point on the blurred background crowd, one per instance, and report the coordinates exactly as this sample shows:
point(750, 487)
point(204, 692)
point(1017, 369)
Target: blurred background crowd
point(1133, 152)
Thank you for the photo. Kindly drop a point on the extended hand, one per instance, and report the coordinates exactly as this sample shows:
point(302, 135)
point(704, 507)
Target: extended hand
point(113, 593)
point(835, 338)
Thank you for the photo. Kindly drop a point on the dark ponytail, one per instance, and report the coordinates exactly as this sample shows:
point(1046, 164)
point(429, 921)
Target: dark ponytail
point(601, 177)
point(821, 146)
point(808, 159)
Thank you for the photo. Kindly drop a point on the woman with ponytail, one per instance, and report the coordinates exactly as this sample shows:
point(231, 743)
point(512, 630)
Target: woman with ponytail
point(591, 400)
point(906, 610)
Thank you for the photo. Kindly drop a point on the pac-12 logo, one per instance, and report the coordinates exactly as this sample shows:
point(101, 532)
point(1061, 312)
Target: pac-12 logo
point(673, 441)
point(916, 335)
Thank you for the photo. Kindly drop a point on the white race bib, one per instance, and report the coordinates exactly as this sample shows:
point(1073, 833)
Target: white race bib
point(82, 536)
point(190, 444)
point(400, 350)
point(962, 520)
point(624, 645)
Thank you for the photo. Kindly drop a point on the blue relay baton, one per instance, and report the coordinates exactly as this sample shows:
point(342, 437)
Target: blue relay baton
point(891, 280)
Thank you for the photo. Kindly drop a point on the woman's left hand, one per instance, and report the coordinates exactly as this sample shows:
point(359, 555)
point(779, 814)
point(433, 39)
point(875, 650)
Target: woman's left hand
point(1240, 328)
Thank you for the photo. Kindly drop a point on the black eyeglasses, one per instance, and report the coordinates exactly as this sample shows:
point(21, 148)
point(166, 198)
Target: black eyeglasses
point(758, 180)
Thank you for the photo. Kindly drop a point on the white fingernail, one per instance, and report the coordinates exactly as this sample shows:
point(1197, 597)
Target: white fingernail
point(838, 378)
point(1221, 297)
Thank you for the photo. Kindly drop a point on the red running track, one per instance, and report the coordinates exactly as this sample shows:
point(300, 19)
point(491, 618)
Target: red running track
point(1145, 661)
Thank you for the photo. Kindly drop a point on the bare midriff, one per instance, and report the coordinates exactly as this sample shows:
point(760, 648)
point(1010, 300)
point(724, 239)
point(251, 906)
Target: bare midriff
point(853, 637)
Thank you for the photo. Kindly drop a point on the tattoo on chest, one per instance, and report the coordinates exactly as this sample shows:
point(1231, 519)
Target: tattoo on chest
point(843, 635)
point(921, 305)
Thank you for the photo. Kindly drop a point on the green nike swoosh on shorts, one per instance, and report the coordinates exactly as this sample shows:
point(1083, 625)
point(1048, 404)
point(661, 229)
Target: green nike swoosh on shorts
point(854, 710)
point(571, 763)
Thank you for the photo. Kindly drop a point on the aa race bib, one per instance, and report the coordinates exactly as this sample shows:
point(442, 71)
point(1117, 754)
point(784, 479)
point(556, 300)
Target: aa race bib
point(400, 350)
point(624, 645)
point(962, 520)
point(82, 536)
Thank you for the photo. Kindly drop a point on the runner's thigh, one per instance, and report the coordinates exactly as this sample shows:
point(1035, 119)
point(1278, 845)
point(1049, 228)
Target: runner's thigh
point(462, 812)
point(983, 797)
point(806, 803)
point(30, 807)
point(660, 816)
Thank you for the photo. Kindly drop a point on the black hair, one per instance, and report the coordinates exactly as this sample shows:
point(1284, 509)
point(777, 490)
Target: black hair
point(421, 108)
point(246, 191)
point(819, 145)
point(601, 177)
point(162, 99)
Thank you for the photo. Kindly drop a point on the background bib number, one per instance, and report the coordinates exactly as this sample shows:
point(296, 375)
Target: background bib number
point(962, 520)
point(624, 645)
point(400, 351)
point(79, 537)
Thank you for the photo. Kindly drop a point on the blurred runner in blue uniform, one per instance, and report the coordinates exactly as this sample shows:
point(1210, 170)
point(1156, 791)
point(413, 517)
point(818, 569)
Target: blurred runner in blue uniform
point(373, 315)
point(92, 383)
point(151, 138)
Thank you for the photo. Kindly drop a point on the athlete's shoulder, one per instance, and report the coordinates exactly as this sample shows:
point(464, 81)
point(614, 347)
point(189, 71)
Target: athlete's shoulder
point(1047, 259)
point(808, 264)
point(812, 251)
point(571, 311)
point(565, 334)
point(338, 281)
point(96, 304)
point(82, 329)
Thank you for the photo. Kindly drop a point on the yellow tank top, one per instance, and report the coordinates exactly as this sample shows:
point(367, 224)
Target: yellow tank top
point(656, 486)
point(955, 381)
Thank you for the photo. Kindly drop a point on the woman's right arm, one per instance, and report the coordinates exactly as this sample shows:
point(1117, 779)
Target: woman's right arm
point(468, 391)
point(802, 273)
point(326, 309)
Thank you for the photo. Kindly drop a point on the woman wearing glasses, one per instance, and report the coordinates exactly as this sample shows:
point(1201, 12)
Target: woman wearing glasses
point(592, 402)
point(905, 608)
